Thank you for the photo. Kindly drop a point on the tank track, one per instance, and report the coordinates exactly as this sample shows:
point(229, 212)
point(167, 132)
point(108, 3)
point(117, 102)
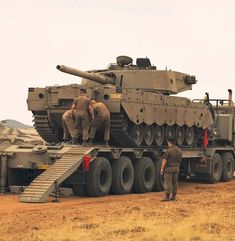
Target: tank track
point(119, 132)
point(42, 125)
point(118, 129)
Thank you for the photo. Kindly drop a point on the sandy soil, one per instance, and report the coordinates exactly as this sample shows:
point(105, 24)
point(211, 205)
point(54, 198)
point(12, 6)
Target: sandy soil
point(201, 212)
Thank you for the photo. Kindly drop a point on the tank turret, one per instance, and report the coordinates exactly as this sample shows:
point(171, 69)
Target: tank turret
point(143, 75)
point(138, 96)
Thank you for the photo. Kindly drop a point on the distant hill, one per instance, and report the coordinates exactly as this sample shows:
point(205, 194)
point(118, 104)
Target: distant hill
point(14, 124)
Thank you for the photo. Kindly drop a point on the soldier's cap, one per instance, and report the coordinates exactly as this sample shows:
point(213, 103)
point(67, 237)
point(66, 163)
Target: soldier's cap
point(83, 90)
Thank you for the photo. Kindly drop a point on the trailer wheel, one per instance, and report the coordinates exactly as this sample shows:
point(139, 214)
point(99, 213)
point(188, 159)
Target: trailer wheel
point(144, 175)
point(182, 176)
point(227, 166)
point(159, 179)
point(99, 178)
point(216, 169)
point(123, 175)
point(80, 190)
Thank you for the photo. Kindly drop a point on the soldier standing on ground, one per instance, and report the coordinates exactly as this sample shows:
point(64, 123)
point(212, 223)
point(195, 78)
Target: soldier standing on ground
point(101, 116)
point(170, 168)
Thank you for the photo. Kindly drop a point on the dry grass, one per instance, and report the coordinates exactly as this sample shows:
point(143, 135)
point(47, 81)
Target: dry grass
point(200, 225)
point(202, 213)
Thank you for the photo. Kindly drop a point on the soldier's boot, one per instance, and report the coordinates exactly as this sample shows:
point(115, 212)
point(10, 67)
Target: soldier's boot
point(85, 143)
point(166, 198)
point(106, 144)
point(74, 141)
point(173, 197)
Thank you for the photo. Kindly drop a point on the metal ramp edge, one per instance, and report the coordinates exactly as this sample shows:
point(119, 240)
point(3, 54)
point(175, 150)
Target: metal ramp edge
point(42, 186)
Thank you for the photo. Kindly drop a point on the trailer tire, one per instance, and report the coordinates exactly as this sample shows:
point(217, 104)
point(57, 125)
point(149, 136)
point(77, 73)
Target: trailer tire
point(123, 175)
point(99, 178)
point(80, 190)
point(144, 175)
point(215, 170)
point(227, 166)
point(182, 176)
point(159, 179)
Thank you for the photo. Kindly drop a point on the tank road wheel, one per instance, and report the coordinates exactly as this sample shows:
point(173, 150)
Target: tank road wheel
point(170, 132)
point(144, 175)
point(149, 134)
point(227, 166)
point(159, 135)
point(159, 179)
point(99, 178)
point(189, 135)
point(179, 135)
point(216, 169)
point(123, 175)
point(137, 133)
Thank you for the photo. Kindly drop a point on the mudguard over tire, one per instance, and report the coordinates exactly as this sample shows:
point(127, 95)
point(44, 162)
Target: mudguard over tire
point(144, 175)
point(123, 175)
point(227, 166)
point(216, 169)
point(99, 178)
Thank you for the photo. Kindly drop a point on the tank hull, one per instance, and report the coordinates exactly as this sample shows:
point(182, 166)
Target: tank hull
point(136, 115)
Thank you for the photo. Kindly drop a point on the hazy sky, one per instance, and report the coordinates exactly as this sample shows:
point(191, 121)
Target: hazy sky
point(195, 37)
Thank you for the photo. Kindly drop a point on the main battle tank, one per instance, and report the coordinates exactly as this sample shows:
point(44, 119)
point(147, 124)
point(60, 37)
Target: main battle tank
point(140, 98)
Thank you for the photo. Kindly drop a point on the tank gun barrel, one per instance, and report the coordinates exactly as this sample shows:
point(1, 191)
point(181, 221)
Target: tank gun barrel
point(91, 76)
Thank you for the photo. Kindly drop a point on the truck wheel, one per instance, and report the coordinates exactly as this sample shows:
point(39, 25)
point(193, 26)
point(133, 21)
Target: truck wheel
point(216, 169)
point(159, 179)
point(144, 175)
point(80, 190)
point(99, 178)
point(123, 175)
point(227, 166)
point(182, 176)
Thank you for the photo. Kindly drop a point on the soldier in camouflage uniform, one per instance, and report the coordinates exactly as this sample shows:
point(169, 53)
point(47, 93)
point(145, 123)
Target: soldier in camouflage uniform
point(101, 116)
point(170, 168)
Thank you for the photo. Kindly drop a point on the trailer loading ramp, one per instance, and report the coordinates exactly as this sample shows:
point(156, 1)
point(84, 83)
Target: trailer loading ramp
point(42, 186)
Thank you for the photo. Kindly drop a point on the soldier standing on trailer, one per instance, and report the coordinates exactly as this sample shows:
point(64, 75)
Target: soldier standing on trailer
point(81, 108)
point(68, 121)
point(101, 116)
point(77, 118)
point(170, 168)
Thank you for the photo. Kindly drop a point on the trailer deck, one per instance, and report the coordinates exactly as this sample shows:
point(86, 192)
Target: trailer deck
point(39, 170)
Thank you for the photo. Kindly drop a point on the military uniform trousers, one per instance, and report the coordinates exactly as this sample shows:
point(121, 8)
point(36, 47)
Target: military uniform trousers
point(171, 179)
point(82, 123)
point(69, 125)
point(97, 122)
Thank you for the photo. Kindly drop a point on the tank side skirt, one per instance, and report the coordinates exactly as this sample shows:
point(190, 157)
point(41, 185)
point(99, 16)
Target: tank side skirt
point(150, 107)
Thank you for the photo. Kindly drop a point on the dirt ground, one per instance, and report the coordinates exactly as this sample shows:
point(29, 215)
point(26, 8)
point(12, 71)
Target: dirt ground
point(201, 212)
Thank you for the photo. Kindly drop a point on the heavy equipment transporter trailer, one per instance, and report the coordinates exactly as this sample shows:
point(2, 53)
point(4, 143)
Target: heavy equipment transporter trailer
point(37, 171)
